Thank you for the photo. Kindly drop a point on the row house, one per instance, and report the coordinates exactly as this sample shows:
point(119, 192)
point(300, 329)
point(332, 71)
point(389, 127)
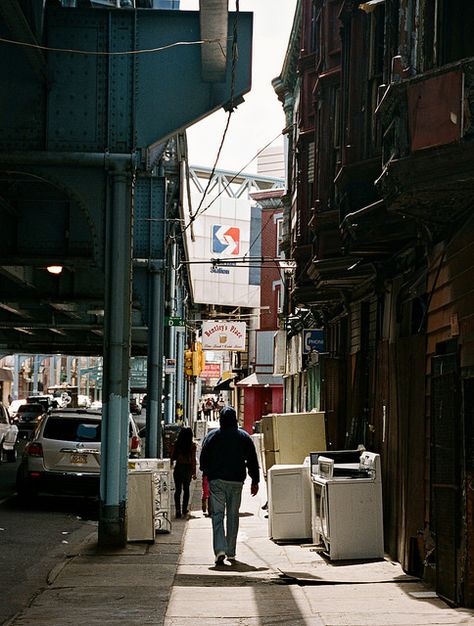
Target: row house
point(379, 101)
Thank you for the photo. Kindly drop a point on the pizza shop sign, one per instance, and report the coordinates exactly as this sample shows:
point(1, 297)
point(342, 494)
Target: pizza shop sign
point(223, 336)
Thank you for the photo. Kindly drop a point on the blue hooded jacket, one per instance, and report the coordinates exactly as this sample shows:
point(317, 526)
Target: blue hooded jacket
point(228, 452)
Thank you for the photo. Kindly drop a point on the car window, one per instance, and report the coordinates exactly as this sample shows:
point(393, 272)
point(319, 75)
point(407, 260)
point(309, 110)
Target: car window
point(63, 429)
point(3, 416)
point(31, 408)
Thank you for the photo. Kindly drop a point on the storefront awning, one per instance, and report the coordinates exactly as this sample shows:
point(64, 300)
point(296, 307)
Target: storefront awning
point(260, 380)
point(225, 384)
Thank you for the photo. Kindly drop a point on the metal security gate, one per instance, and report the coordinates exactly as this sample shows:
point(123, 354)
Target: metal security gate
point(446, 464)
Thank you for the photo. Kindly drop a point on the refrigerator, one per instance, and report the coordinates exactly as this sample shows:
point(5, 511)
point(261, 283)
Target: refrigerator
point(288, 438)
point(289, 502)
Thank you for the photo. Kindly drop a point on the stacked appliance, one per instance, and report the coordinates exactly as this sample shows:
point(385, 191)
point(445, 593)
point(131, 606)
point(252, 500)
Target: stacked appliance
point(346, 495)
point(149, 498)
point(288, 438)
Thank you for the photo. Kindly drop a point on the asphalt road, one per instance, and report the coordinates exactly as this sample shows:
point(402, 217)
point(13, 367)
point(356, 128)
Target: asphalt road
point(34, 538)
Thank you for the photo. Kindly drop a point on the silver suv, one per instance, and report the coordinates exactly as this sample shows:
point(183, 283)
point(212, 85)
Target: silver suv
point(63, 454)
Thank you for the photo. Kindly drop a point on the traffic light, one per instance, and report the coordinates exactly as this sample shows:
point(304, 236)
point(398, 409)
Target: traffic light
point(199, 359)
point(188, 362)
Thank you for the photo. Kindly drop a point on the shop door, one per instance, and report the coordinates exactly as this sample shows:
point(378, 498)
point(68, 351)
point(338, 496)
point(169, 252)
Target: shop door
point(446, 463)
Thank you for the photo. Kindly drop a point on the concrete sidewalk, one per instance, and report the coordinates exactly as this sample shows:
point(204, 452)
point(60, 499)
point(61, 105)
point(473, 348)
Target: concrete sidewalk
point(174, 582)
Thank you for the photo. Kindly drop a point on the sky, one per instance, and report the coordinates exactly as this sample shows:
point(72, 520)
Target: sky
point(259, 119)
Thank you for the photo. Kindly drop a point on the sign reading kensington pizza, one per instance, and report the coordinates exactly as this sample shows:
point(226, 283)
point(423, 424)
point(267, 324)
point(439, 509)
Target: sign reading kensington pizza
point(223, 336)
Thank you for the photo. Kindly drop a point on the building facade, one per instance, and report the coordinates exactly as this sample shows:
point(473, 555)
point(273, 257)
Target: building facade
point(378, 219)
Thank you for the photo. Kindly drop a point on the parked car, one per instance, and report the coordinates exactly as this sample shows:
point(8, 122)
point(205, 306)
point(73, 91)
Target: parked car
point(135, 408)
point(83, 401)
point(64, 453)
point(46, 400)
point(14, 406)
point(8, 436)
point(27, 418)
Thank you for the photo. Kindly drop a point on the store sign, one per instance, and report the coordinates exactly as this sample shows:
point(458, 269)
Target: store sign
point(211, 370)
point(313, 340)
point(223, 335)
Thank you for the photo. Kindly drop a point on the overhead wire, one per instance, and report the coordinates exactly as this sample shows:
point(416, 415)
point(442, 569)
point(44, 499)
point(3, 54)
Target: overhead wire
point(111, 54)
point(231, 111)
point(196, 214)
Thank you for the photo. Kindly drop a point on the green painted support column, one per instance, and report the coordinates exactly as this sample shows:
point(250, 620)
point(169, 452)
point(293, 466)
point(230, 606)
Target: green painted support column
point(180, 350)
point(117, 341)
point(170, 379)
point(155, 361)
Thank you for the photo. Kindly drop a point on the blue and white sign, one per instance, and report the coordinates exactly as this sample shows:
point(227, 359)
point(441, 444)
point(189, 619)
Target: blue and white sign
point(313, 340)
point(219, 236)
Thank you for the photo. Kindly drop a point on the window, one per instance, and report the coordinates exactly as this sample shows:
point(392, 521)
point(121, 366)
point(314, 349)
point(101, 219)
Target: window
point(278, 289)
point(63, 429)
point(334, 25)
point(279, 239)
point(454, 39)
point(314, 28)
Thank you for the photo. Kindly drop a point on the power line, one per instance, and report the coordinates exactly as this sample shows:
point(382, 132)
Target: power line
point(196, 214)
point(231, 110)
point(111, 54)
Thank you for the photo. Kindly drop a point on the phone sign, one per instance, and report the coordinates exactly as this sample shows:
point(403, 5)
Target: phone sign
point(313, 340)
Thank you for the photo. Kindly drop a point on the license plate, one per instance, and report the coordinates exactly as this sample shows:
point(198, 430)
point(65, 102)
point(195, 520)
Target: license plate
point(79, 459)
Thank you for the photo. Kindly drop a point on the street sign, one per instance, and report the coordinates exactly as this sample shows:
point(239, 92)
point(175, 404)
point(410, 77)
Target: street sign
point(170, 366)
point(174, 321)
point(313, 340)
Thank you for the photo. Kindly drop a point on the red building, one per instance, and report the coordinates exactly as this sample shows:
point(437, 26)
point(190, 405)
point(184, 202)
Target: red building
point(263, 391)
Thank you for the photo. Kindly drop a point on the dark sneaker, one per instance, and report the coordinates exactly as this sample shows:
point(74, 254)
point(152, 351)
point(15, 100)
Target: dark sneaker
point(220, 559)
point(231, 559)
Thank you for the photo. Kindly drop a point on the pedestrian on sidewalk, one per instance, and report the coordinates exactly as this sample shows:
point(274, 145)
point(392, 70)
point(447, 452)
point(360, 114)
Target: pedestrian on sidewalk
point(227, 454)
point(183, 456)
point(206, 507)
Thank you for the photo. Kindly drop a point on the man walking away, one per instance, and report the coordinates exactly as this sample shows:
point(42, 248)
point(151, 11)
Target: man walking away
point(227, 454)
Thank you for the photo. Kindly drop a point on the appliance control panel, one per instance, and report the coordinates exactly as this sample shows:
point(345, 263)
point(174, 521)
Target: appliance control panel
point(370, 462)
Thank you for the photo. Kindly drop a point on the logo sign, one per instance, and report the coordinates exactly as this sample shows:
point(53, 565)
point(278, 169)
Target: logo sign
point(223, 336)
point(313, 340)
point(225, 240)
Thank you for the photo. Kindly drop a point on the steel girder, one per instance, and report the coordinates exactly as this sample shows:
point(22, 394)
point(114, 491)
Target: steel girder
point(65, 118)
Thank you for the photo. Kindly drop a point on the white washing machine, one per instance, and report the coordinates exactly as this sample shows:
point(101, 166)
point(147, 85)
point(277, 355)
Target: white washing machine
point(347, 514)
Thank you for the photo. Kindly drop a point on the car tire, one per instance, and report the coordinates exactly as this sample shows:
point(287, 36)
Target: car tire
point(23, 488)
